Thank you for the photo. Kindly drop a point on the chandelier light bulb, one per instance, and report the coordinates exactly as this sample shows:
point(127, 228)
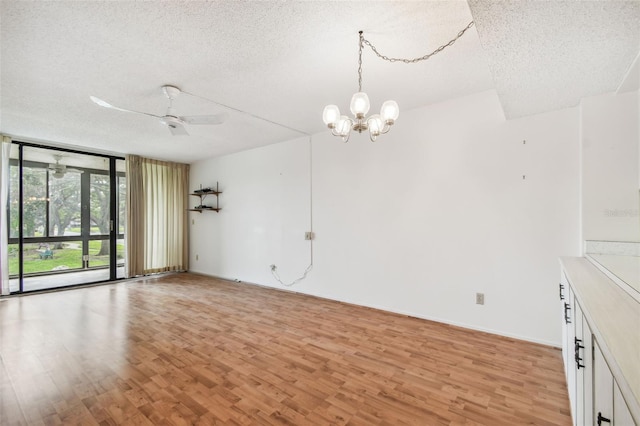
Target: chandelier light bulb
point(390, 111)
point(375, 124)
point(330, 115)
point(360, 104)
point(343, 126)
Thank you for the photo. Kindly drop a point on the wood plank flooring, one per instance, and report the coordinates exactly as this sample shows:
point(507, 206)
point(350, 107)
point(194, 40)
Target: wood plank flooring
point(190, 350)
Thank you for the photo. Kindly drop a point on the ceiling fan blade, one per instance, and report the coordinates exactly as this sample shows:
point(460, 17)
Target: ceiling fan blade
point(108, 105)
point(205, 119)
point(177, 129)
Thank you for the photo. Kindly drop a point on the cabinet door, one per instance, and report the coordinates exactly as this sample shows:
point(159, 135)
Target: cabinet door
point(571, 363)
point(579, 364)
point(621, 413)
point(602, 388)
point(563, 295)
point(588, 372)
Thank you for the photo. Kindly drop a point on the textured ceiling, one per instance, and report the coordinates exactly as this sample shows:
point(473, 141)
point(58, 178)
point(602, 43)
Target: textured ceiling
point(284, 61)
point(548, 55)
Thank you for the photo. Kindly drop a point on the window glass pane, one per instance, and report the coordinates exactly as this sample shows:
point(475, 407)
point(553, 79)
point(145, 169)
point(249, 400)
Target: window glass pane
point(64, 204)
point(120, 256)
point(97, 254)
point(13, 260)
point(14, 197)
point(46, 257)
point(13, 218)
point(122, 201)
point(34, 207)
point(100, 217)
point(122, 216)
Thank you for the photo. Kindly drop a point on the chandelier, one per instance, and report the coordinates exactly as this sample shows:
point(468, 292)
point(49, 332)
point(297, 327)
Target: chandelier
point(377, 124)
point(341, 125)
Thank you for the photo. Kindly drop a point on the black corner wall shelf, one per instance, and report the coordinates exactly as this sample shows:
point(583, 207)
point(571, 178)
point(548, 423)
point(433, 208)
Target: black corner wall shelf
point(202, 194)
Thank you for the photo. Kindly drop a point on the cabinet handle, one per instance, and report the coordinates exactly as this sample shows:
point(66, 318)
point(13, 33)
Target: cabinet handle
point(578, 346)
point(561, 293)
point(567, 308)
point(602, 419)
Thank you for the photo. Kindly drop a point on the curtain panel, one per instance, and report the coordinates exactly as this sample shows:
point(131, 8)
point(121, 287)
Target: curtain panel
point(157, 202)
point(5, 151)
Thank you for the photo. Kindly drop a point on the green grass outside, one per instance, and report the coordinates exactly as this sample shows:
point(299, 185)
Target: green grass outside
point(71, 257)
point(94, 230)
point(77, 230)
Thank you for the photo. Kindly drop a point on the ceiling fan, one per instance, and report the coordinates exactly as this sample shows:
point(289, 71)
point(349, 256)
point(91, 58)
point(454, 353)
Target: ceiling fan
point(175, 123)
point(59, 170)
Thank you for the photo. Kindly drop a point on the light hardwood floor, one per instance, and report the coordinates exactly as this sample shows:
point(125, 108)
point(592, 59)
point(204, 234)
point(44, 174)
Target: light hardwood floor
point(187, 349)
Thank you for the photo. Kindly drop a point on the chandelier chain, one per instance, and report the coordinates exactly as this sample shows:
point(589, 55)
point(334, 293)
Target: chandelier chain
point(407, 61)
point(360, 62)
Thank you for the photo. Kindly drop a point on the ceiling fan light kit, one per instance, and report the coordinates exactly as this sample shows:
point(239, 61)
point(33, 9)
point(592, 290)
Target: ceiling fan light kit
point(377, 124)
point(175, 123)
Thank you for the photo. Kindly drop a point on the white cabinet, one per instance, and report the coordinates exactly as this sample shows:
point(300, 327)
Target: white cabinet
point(621, 413)
point(576, 352)
point(569, 348)
point(600, 381)
point(609, 406)
point(564, 308)
point(582, 365)
point(602, 389)
point(587, 373)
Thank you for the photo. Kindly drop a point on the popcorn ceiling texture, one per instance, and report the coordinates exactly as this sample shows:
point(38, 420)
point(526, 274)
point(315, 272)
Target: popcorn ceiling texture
point(548, 55)
point(285, 61)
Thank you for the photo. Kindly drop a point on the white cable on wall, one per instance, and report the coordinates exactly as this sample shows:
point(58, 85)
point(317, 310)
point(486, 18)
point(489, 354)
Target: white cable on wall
point(274, 268)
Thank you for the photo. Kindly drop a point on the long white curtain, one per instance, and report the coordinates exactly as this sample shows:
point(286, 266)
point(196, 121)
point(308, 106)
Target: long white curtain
point(157, 199)
point(4, 195)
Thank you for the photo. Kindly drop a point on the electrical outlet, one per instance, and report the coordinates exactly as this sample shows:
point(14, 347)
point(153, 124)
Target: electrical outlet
point(193, 221)
point(309, 236)
point(197, 257)
point(479, 298)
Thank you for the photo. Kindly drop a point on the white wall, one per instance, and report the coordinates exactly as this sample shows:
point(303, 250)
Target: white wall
point(265, 213)
point(610, 144)
point(417, 222)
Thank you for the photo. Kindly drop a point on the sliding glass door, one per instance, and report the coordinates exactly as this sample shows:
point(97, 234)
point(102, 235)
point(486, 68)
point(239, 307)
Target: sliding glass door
point(66, 215)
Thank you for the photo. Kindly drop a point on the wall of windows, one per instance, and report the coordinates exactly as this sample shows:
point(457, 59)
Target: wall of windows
point(66, 217)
